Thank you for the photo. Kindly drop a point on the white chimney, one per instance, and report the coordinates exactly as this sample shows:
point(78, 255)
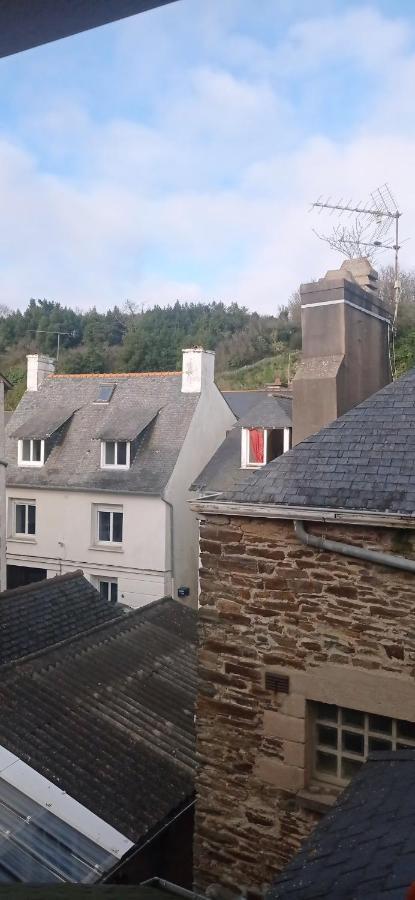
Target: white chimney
point(198, 370)
point(38, 368)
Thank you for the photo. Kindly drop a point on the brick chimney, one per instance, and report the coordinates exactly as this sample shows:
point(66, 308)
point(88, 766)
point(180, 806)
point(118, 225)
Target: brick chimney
point(38, 368)
point(345, 355)
point(198, 370)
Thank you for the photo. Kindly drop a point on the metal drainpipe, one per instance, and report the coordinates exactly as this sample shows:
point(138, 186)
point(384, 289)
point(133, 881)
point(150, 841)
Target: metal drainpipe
point(374, 556)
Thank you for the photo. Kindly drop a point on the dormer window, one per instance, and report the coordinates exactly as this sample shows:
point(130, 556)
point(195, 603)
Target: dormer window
point(260, 445)
point(31, 452)
point(115, 454)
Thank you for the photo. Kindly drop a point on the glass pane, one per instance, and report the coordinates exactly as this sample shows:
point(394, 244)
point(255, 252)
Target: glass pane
point(327, 711)
point(401, 746)
point(326, 762)
point(379, 744)
point(26, 451)
point(104, 520)
point(31, 519)
point(380, 723)
point(117, 527)
point(350, 767)
point(104, 589)
point(122, 453)
point(354, 743)
point(37, 451)
point(114, 591)
point(327, 736)
point(20, 518)
point(406, 730)
point(353, 717)
point(109, 453)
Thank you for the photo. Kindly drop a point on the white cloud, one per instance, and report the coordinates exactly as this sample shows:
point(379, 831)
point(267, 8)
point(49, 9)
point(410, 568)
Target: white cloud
point(207, 197)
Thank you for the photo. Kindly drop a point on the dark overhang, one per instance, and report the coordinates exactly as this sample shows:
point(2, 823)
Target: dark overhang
point(29, 23)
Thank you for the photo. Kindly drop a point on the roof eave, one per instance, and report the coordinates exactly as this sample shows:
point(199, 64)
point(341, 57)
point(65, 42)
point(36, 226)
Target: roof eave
point(314, 514)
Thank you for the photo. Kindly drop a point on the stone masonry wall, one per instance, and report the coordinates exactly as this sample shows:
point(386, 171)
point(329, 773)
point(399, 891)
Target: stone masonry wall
point(344, 632)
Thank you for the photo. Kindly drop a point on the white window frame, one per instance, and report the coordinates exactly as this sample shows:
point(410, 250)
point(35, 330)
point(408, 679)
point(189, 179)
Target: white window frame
point(22, 535)
point(115, 465)
point(366, 731)
point(102, 579)
point(245, 446)
point(31, 461)
point(107, 509)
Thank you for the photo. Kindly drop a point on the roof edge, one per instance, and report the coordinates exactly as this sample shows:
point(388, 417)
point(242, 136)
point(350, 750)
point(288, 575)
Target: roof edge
point(37, 585)
point(314, 514)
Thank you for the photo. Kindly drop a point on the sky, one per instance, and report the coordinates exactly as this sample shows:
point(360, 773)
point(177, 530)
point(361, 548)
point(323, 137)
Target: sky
point(175, 154)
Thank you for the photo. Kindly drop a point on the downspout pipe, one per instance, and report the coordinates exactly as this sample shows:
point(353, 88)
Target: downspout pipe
point(373, 556)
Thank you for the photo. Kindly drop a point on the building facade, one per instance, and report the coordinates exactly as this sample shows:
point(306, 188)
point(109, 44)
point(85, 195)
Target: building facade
point(98, 474)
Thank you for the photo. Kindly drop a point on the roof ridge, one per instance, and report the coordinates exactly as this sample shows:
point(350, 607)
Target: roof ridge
point(38, 585)
point(112, 374)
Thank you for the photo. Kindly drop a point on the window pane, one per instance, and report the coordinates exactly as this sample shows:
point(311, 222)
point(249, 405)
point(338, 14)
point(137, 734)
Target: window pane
point(406, 730)
point(326, 711)
point(353, 742)
point(380, 723)
point(104, 519)
point(121, 453)
point(31, 519)
point(350, 767)
point(353, 717)
point(379, 744)
point(326, 762)
point(109, 453)
point(37, 451)
point(104, 589)
point(117, 527)
point(327, 736)
point(26, 451)
point(20, 518)
point(114, 591)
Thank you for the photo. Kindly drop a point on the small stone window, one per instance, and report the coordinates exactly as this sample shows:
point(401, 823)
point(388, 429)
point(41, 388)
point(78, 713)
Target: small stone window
point(30, 452)
point(115, 454)
point(343, 738)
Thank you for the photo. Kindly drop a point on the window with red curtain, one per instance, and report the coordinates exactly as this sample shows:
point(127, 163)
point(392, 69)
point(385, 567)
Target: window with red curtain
point(256, 445)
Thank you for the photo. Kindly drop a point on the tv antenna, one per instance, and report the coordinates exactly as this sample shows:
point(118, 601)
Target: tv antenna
point(58, 333)
point(380, 216)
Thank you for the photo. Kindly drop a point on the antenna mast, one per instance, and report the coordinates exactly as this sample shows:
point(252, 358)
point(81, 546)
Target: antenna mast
point(378, 213)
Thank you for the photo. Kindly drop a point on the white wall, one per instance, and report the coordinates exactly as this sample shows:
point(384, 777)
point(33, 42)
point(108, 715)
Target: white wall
point(63, 541)
point(208, 428)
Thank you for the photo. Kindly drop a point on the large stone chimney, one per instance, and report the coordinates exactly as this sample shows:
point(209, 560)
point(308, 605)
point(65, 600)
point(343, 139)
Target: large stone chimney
point(345, 355)
point(198, 370)
point(38, 368)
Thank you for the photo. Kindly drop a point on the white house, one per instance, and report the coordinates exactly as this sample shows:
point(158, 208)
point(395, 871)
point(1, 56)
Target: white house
point(98, 476)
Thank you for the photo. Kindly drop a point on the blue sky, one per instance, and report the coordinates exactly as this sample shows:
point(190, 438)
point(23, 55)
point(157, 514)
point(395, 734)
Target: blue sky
point(175, 154)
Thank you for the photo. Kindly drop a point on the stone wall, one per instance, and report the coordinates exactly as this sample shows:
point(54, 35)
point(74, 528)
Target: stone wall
point(344, 633)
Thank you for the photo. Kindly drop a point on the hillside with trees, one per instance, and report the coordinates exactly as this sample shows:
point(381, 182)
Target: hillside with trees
point(251, 349)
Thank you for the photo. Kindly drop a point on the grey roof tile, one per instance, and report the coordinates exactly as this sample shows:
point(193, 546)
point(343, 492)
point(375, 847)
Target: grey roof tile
point(74, 459)
point(372, 471)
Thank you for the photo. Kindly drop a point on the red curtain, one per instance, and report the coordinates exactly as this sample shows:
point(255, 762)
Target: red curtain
point(256, 445)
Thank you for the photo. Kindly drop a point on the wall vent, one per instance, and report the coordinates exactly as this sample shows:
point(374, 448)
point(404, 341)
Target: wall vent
point(274, 681)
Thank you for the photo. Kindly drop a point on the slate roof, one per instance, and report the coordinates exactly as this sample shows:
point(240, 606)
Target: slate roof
point(44, 423)
point(365, 460)
point(39, 615)
point(365, 846)
point(108, 717)
point(74, 459)
point(241, 401)
point(223, 471)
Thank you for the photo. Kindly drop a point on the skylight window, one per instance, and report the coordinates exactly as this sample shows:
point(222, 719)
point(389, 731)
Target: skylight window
point(105, 393)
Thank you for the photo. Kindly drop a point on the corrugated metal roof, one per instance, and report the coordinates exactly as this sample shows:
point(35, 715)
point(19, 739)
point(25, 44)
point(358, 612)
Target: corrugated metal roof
point(108, 717)
point(37, 847)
